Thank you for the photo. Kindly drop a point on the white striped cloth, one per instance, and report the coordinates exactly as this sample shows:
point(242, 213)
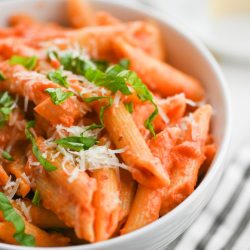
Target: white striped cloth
point(225, 222)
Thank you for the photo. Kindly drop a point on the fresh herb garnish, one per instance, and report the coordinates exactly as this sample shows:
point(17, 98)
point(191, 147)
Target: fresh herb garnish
point(6, 106)
point(2, 76)
point(28, 62)
point(116, 77)
point(101, 64)
point(124, 63)
point(58, 96)
point(6, 155)
point(129, 107)
point(102, 109)
point(12, 216)
point(36, 198)
point(94, 126)
point(57, 77)
point(77, 143)
point(46, 164)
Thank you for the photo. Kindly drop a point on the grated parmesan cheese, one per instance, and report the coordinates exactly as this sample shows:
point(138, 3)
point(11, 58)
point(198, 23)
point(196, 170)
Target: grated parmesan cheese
point(117, 98)
point(11, 187)
point(24, 209)
point(93, 158)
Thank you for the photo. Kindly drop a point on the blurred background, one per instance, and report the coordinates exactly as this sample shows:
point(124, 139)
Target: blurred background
point(224, 26)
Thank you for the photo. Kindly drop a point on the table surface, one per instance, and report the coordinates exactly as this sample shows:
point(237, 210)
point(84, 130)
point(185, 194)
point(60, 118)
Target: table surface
point(238, 78)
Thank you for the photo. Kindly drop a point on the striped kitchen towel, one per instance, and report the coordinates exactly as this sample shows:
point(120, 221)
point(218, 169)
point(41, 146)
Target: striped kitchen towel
point(225, 222)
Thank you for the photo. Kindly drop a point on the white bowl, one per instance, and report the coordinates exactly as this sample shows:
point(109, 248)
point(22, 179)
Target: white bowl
point(187, 54)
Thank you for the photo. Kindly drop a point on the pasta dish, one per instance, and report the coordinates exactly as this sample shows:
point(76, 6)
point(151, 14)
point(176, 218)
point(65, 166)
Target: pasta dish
point(99, 134)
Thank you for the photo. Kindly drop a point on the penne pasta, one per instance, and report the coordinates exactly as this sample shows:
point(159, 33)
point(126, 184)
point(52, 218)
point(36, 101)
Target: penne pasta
point(187, 160)
point(103, 18)
point(145, 209)
point(3, 176)
point(127, 193)
point(159, 76)
point(106, 202)
point(16, 168)
point(122, 130)
point(99, 136)
point(43, 239)
point(146, 36)
point(75, 209)
point(80, 13)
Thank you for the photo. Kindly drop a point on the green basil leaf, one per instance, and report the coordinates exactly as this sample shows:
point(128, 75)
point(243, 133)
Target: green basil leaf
point(77, 143)
point(124, 63)
point(12, 216)
point(6, 106)
point(103, 108)
point(6, 155)
point(2, 76)
point(57, 77)
point(28, 62)
point(58, 96)
point(149, 122)
point(129, 107)
point(94, 126)
point(102, 65)
point(94, 98)
point(36, 198)
point(37, 153)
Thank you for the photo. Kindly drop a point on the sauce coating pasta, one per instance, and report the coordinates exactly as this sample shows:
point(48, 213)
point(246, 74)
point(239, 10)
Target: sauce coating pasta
point(99, 134)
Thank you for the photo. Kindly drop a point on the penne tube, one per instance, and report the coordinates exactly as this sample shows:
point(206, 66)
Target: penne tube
point(65, 113)
point(157, 75)
point(42, 238)
point(13, 131)
point(3, 176)
point(146, 36)
point(127, 194)
point(145, 168)
point(97, 40)
point(40, 216)
point(80, 13)
point(145, 209)
point(74, 208)
point(106, 202)
point(188, 157)
point(11, 47)
point(171, 109)
point(103, 18)
point(16, 168)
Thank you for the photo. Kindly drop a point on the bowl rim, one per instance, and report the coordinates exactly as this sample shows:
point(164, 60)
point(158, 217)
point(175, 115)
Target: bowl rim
point(182, 31)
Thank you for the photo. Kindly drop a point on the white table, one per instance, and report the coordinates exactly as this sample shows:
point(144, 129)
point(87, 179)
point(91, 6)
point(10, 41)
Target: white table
point(238, 78)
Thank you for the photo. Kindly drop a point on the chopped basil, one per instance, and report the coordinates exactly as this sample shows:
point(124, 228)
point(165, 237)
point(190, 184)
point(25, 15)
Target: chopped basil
point(149, 122)
point(2, 76)
point(124, 63)
point(37, 153)
point(58, 96)
point(101, 64)
point(36, 198)
point(28, 62)
point(77, 143)
point(57, 77)
point(115, 77)
point(12, 216)
point(6, 106)
point(96, 98)
point(129, 107)
point(6, 155)
point(94, 126)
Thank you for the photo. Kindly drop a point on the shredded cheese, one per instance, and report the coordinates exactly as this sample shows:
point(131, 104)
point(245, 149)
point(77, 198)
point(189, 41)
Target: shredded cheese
point(11, 187)
point(24, 209)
